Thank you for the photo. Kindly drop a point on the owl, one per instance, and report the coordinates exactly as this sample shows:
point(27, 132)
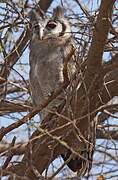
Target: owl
point(51, 42)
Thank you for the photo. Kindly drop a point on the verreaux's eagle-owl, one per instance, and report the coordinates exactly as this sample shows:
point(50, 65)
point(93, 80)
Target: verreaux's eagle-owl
point(50, 44)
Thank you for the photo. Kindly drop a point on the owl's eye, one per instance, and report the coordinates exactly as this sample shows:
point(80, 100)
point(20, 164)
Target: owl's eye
point(51, 25)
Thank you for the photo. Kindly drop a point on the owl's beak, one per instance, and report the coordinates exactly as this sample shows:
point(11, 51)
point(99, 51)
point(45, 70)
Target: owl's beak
point(41, 33)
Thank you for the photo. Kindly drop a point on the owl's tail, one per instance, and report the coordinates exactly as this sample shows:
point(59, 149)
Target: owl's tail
point(77, 164)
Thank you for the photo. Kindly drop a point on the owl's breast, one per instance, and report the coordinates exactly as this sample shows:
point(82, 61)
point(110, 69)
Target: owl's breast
point(46, 69)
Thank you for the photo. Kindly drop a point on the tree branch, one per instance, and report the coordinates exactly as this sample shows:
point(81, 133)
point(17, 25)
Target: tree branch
point(112, 64)
point(20, 45)
point(12, 107)
point(100, 34)
point(105, 134)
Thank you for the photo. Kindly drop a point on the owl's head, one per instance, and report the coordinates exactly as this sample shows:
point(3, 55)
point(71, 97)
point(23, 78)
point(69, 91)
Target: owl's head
point(44, 27)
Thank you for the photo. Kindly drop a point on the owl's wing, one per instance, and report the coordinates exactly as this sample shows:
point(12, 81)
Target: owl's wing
point(76, 163)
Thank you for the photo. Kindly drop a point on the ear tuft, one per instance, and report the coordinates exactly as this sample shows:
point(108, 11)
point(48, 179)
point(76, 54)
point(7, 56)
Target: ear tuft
point(36, 13)
point(32, 16)
point(58, 12)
